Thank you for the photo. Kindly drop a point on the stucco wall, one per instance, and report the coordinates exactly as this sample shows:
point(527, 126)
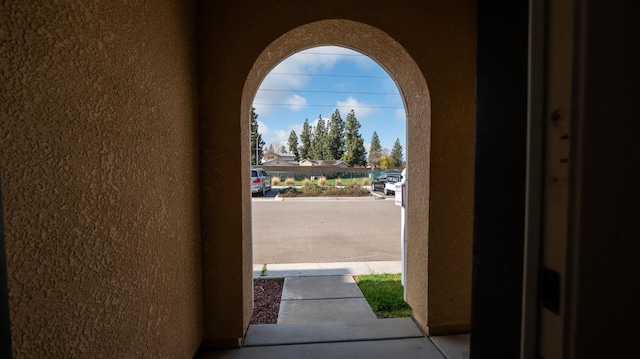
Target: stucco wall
point(98, 156)
point(440, 37)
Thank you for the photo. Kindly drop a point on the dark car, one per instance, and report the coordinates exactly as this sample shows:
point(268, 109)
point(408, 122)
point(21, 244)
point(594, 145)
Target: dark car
point(378, 183)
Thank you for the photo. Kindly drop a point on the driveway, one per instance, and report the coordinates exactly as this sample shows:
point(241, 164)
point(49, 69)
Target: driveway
point(315, 230)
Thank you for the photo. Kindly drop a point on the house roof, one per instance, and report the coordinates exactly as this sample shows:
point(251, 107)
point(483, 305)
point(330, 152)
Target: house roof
point(279, 155)
point(279, 162)
point(333, 163)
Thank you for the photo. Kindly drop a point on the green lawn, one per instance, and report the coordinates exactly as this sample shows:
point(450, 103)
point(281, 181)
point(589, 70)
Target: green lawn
point(384, 292)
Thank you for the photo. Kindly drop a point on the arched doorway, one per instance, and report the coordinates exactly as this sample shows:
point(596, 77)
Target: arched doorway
point(440, 171)
point(413, 87)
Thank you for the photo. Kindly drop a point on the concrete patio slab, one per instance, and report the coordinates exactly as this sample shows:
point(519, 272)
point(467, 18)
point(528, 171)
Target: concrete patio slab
point(323, 310)
point(325, 287)
point(300, 333)
point(383, 349)
point(453, 346)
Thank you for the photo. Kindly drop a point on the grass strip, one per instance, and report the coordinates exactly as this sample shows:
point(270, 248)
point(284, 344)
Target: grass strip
point(384, 292)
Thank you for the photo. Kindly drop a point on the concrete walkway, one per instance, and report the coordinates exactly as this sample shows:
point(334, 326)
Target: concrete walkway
point(323, 299)
point(323, 314)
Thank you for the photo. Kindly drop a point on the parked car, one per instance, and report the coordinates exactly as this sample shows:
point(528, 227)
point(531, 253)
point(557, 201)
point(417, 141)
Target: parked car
point(260, 181)
point(390, 185)
point(379, 183)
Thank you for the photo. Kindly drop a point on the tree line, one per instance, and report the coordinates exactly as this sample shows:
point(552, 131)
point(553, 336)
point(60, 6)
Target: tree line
point(335, 139)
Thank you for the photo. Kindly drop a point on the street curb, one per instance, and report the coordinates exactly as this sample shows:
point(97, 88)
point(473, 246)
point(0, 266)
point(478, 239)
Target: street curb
point(285, 270)
point(369, 198)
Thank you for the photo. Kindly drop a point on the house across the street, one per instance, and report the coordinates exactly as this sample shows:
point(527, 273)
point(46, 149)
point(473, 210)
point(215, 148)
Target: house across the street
point(328, 163)
point(279, 159)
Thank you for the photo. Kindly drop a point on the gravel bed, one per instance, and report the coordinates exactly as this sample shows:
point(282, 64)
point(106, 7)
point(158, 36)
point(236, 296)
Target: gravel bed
point(267, 294)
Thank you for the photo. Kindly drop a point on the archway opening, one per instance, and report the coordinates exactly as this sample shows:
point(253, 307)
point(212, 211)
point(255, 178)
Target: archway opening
point(327, 123)
point(325, 116)
point(397, 62)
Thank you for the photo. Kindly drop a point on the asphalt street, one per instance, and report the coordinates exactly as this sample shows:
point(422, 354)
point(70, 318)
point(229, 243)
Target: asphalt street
point(310, 231)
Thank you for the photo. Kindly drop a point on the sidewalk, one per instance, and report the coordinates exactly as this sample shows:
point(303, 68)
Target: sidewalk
point(323, 299)
point(324, 269)
point(322, 302)
point(323, 314)
point(330, 313)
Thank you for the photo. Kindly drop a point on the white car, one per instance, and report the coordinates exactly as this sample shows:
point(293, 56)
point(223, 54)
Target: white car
point(390, 184)
point(260, 181)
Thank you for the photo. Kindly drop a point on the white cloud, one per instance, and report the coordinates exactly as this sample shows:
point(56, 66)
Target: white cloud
point(297, 128)
point(296, 102)
point(312, 61)
point(305, 62)
point(282, 78)
point(320, 58)
point(272, 136)
point(264, 98)
point(401, 115)
point(353, 104)
point(332, 54)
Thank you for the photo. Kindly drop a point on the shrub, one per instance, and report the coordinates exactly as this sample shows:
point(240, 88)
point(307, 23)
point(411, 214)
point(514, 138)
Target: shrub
point(306, 181)
point(290, 192)
point(289, 181)
point(352, 190)
point(311, 190)
point(366, 182)
point(314, 190)
point(338, 181)
point(322, 181)
point(275, 181)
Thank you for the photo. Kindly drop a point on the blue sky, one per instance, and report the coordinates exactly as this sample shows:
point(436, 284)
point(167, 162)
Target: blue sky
point(317, 81)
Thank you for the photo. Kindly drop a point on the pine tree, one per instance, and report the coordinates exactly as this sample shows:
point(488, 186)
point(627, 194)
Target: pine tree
point(375, 150)
point(319, 142)
point(396, 154)
point(336, 136)
point(257, 144)
point(355, 154)
point(305, 140)
point(293, 145)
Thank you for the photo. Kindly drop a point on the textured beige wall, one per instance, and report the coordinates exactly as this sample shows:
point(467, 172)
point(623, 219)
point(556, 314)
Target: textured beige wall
point(440, 37)
point(450, 75)
point(98, 153)
point(226, 217)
